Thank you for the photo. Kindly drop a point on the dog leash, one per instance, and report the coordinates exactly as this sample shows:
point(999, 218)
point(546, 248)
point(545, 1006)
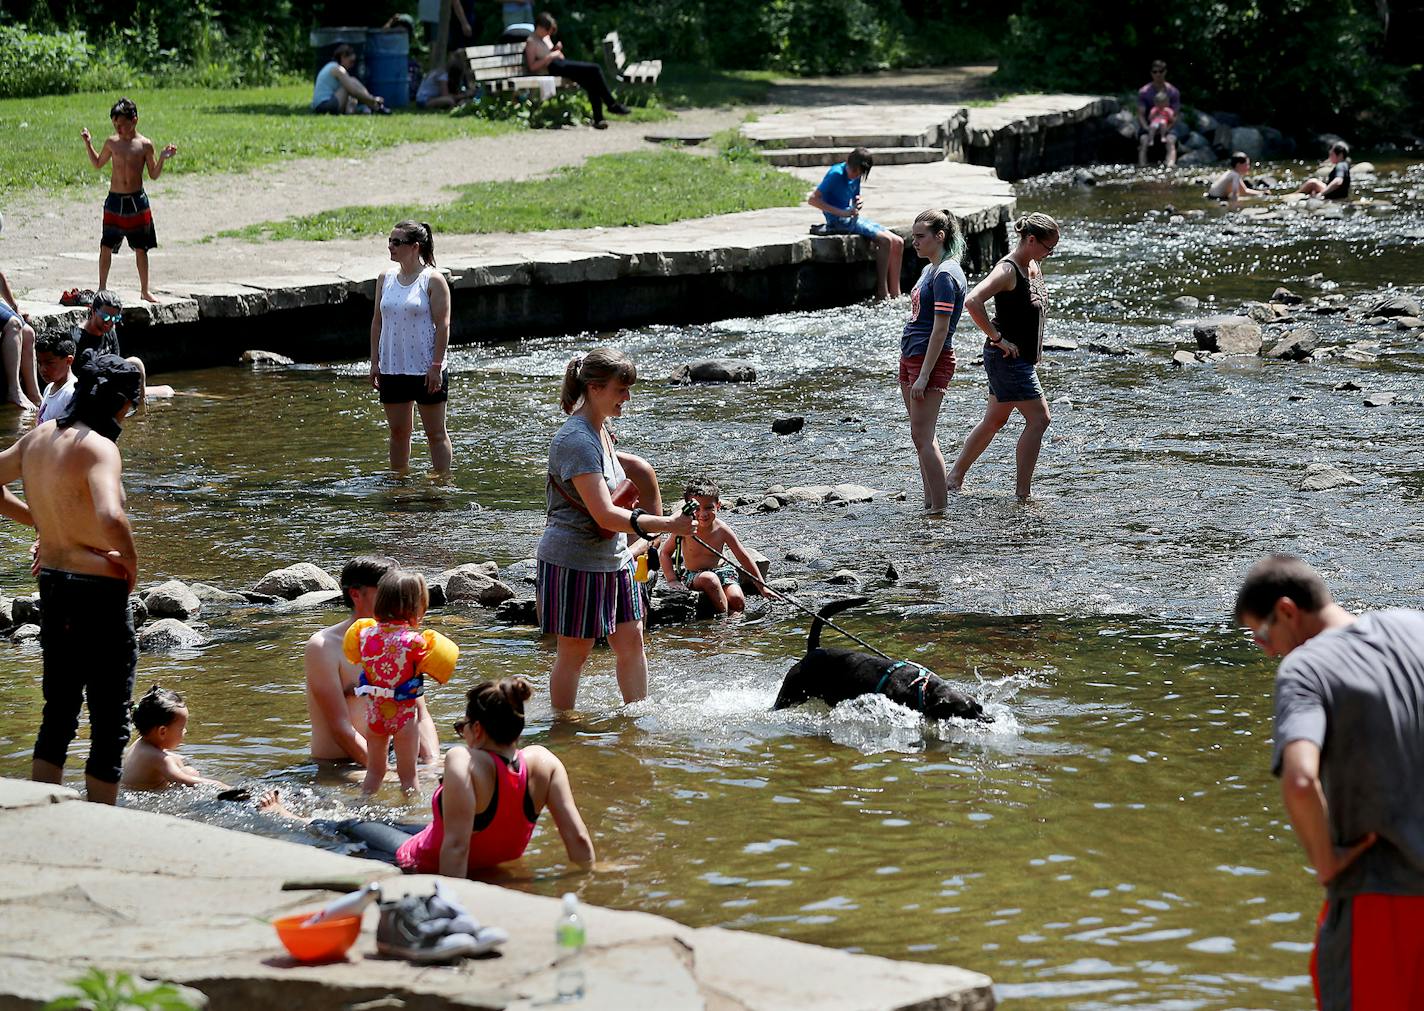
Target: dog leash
point(761, 584)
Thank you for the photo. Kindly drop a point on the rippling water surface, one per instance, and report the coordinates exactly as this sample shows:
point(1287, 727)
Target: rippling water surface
point(1112, 839)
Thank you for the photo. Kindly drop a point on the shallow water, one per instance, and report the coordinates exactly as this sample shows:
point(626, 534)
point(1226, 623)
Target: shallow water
point(1112, 839)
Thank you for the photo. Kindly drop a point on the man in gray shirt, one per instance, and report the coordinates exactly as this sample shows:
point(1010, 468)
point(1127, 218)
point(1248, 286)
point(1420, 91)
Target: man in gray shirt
point(1349, 749)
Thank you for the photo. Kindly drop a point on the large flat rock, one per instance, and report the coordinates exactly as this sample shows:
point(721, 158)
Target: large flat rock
point(86, 885)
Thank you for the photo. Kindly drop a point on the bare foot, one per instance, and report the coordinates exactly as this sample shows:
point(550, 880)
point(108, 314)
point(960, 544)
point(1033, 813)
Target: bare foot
point(23, 403)
point(954, 485)
point(147, 297)
point(271, 803)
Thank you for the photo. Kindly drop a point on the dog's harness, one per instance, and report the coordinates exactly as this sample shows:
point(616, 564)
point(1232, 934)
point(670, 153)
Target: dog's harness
point(919, 682)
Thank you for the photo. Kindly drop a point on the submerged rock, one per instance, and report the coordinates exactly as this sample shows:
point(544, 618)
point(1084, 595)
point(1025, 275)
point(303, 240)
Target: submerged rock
point(1186, 302)
point(265, 360)
point(1286, 297)
point(1323, 477)
point(1232, 335)
point(1181, 359)
point(518, 611)
point(1295, 346)
point(1382, 398)
point(714, 370)
point(25, 632)
point(167, 634)
point(209, 594)
point(1059, 344)
point(844, 577)
point(25, 610)
point(310, 601)
point(1397, 305)
point(788, 426)
point(473, 586)
point(295, 580)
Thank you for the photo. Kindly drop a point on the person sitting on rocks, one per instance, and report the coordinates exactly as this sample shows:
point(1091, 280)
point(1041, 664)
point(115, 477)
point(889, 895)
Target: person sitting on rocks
point(1161, 118)
point(838, 198)
point(153, 763)
point(1231, 185)
point(1336, 186)
point(691, 563)
point(100, 333)
point(1146, 98)
point(54, 354)
point(337, 91)
point(17, 344)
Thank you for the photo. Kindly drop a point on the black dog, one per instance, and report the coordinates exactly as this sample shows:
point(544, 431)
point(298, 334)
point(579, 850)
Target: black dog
point(835, 675)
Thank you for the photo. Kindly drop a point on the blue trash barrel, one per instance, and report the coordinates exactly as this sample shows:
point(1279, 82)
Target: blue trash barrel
point(324, 40)
point(387, 57)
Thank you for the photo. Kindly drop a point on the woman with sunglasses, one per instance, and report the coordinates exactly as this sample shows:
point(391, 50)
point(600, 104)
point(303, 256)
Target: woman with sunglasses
point(410, 332)
point(1013, 347)
point(487, 803)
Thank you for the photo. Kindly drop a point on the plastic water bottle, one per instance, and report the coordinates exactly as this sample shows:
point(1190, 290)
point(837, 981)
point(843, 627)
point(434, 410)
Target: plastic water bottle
point(569, 936)
point(350, 904)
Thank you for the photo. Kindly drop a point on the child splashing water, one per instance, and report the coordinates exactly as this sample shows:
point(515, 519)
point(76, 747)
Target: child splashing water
point(153, 763)
point(394, 657)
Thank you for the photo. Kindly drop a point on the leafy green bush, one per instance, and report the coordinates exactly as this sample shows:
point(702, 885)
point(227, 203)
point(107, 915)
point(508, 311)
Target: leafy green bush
point(98, 991)
point(34, 64)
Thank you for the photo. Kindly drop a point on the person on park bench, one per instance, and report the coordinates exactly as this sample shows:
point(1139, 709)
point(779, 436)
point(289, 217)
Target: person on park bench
point(542, 56)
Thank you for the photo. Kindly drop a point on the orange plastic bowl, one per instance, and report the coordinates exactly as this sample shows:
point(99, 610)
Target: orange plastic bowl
point(320, 942)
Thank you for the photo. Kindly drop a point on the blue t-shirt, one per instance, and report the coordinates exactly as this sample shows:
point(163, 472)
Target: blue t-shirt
point(838, 190)
point(941, 289)
point(327, 86)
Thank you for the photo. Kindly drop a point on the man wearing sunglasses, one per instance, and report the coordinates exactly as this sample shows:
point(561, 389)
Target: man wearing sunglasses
point(100, 334)
point(1349, 751)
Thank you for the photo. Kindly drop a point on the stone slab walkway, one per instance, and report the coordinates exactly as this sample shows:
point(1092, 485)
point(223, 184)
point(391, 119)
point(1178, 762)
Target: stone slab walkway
point(84, 885)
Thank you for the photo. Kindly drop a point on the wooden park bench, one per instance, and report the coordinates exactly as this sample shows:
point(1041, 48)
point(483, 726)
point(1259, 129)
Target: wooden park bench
point(500, 68)
point(644, 73)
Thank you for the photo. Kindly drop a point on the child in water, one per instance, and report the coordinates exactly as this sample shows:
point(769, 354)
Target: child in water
point(153, 763)
point(685, 563)
point(394, 657)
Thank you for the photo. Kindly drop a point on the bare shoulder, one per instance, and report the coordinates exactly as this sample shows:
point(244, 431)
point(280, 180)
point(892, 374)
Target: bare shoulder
point(326, 642)
point(541, 759)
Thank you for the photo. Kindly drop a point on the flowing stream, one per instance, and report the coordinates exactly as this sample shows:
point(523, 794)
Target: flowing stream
point(1112, 839)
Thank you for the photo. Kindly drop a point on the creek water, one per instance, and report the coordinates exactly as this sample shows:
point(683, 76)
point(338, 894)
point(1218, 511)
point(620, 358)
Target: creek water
point(1113, 839)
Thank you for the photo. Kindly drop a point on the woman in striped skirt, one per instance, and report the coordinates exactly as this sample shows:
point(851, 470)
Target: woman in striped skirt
point(586, 588)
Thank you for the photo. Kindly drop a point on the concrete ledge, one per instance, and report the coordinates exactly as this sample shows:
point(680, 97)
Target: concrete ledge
point(86, 885)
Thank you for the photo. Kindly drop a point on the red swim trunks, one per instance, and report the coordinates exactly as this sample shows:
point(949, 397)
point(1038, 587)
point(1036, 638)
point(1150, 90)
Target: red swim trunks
point(128, 216)
point(1369, 954)
point(939, 378)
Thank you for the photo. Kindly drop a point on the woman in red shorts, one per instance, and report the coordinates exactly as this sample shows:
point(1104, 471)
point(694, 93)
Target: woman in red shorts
point(927, 346)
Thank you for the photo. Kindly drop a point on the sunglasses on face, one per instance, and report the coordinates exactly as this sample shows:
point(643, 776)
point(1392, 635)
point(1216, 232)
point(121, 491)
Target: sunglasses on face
point(460, 725)
point(399, 242)
point(110, 317)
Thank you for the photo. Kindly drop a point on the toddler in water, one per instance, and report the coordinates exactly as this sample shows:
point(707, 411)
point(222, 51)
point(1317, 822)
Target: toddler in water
point(394, 657)
point(684, 562)
point(153, 763)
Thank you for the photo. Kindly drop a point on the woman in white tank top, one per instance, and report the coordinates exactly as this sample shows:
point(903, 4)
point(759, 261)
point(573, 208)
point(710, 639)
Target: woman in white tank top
point(410, 331)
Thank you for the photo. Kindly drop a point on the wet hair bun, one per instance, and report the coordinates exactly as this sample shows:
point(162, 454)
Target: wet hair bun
point(516, 692)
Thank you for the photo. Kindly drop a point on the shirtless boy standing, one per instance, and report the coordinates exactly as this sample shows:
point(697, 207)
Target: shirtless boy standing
point(126, 211)
point(74, 498)
point(338, 717)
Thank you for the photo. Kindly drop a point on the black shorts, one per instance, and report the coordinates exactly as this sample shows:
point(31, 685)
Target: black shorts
point(400, 389)
point(90, 654)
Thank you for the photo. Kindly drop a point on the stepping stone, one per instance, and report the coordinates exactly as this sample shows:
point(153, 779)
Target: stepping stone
point(801, 157)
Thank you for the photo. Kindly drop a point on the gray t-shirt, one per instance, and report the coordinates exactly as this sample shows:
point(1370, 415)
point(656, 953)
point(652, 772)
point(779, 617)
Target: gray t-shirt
point(571, 537)
point(1358, 694)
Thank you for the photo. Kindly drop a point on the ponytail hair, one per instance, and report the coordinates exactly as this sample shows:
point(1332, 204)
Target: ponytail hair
point(421, 234)
point(942, 220)
point(1037, 224)
point(601, 365)
point(498, 707)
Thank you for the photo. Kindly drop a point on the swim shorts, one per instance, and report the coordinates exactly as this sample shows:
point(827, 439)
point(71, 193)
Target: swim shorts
point(1369, 953)
point(726, 575)
point(127, 216)
point(858, 225)
point(402, 389)
point(6, 313)
point(1010, 379)
point(90, 654)
point(939, 379)
point(586, 605)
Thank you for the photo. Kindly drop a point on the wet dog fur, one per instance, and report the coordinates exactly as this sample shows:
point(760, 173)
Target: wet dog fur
point(836, 675)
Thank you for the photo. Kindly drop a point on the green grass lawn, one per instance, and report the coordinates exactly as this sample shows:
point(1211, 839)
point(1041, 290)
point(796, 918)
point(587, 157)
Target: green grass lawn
point(639, 188)
point(684, 87)
point(216, 131)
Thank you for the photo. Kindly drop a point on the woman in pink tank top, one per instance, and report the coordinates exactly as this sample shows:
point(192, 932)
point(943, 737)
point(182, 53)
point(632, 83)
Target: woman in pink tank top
point(493, 791)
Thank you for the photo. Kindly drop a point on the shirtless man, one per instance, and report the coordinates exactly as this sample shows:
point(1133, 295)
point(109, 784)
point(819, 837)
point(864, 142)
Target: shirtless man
point(74, 497)
point(338, 717)
point(126, 210)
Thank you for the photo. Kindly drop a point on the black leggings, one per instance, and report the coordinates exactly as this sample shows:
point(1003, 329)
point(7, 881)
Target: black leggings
point(379, 839)
point(590, 78)
point(90, 653)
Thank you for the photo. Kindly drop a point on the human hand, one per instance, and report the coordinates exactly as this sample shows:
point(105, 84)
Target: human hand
point(168, 152)
point(85, 134)
point(433, 377)
point(1009, 348)
point(128, 566)
point(859, 202)
point(35, 558)
point(676, 584)
point(917, 389)
point(1344, 856)
point(682, 524)
point(375, 376)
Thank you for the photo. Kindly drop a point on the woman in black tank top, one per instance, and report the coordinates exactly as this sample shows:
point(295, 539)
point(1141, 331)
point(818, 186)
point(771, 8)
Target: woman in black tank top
point(1012, 349)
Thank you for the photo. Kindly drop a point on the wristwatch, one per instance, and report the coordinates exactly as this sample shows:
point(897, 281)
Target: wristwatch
point(633, 522)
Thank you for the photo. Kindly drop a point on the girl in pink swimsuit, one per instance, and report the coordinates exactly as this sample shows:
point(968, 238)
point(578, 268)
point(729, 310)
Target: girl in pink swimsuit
point(493, 791)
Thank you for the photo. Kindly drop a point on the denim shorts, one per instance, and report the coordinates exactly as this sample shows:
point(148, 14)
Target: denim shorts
point(1010, 379)
point(6, 313)
point(858, 225)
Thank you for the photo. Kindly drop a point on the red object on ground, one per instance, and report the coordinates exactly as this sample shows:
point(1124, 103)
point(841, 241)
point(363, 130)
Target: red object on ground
point(321, 942)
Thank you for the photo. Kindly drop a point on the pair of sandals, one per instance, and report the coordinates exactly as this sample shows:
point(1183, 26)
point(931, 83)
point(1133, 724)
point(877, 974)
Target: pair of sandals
point(77, 296)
